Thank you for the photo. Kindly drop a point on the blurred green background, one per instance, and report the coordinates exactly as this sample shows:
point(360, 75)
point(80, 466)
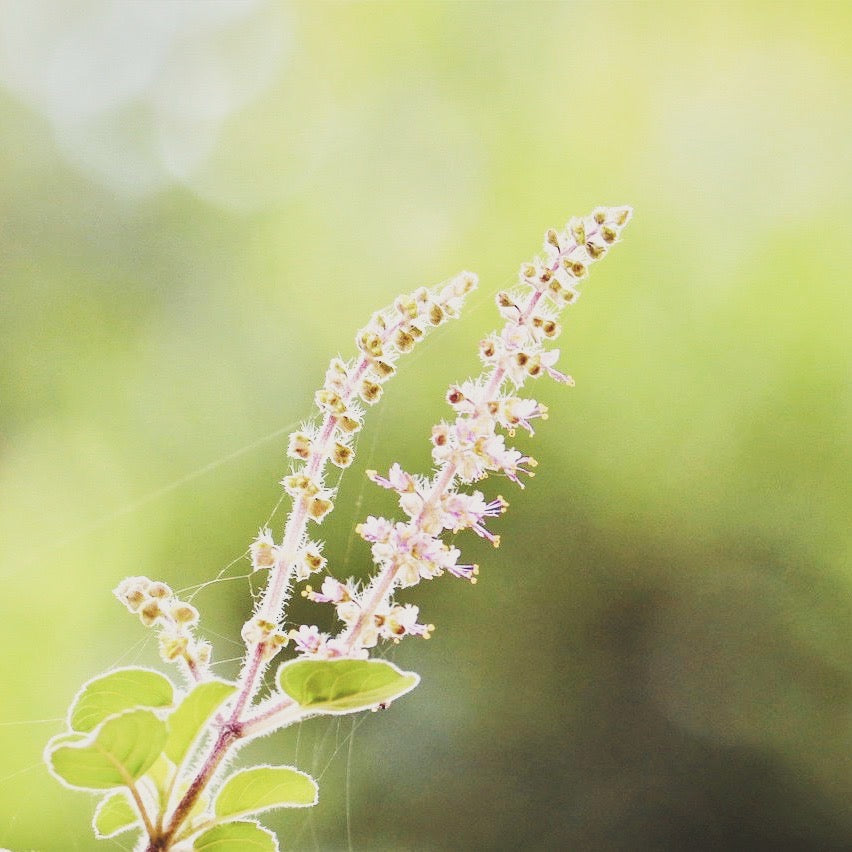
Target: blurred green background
point(202, 201)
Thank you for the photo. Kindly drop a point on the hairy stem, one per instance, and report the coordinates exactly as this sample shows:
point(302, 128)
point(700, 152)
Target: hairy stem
point(280, 714)
point(271, 608)
point(162, 841)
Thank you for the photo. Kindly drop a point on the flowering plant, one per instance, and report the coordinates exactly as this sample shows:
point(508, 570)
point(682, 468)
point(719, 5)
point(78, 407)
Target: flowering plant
point(155, 751)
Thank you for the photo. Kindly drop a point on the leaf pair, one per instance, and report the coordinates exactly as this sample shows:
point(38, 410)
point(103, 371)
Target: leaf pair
point(249, 791)
point(116, 736)
point(125, 726)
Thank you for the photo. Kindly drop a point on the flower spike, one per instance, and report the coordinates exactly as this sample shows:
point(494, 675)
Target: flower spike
point(156, 751)
point(473, 445)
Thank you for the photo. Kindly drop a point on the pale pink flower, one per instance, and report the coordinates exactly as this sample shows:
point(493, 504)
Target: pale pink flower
point(471, 447)
point(468, 511)
point(308, 639)
point(333, 591)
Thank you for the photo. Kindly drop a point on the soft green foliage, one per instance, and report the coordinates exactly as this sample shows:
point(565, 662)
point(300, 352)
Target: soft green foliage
point(236, 837)
point(115, 754)
point(262, 788)
point(343, 686)
point(117, 691)
point(161, 775)
point(113, 815)
point(189, 718)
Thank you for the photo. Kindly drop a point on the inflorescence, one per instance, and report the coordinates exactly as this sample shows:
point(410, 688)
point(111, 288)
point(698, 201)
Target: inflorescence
point(159, 754)
point(465, 449)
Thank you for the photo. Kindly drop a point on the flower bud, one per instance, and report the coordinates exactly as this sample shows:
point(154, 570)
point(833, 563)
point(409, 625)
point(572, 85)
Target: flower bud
point(342, 455)
point(440, 434)
point(256, 630)
point(370, 392)
point(329, 401)
point(383, 369)
point(455, 396)
point(574, 267)
point(262, 551)
point(407, 307)
point(404, 341)
point(298, 483)
point(172, 646)
point(150, 612)
point(299, 447)
point(534, 367)
point(159, 590)
point(370, 343)
point(134, 599)
point(200, 653)
point(595, 251)
point(487, 348)
point(184, 613)
point(348, 423)
point(319, 507)
point(313, 559)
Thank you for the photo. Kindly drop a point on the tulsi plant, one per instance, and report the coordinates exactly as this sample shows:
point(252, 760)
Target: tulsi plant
point(157, 751)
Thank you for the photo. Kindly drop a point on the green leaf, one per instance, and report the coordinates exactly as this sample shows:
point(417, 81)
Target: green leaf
point(236, 837)
point(192, 713)
point(113, 815)
point(343, 686)
point(160, 775)
point(120, 690)
point(264, 787)
point(115, 754)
